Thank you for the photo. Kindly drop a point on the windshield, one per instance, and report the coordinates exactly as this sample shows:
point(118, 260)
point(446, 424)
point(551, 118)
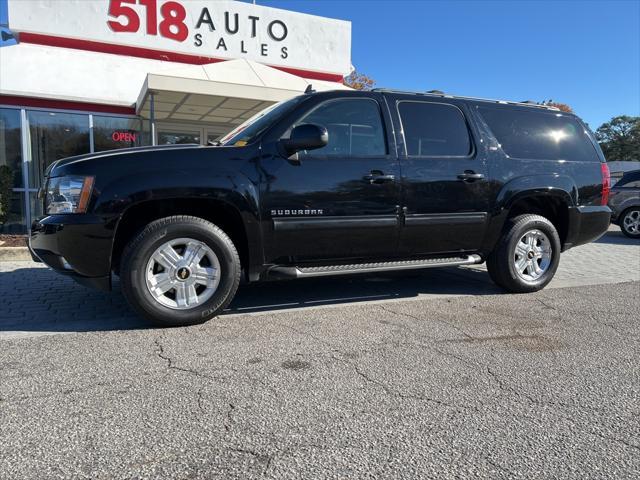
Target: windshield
point(247, 132)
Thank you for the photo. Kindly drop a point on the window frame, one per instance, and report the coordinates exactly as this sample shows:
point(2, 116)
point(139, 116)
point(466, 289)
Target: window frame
point(472, 143)
point(383, 123)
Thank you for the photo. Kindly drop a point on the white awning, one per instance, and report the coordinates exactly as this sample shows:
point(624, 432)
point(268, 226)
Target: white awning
point(226, 92)
point(222, 93)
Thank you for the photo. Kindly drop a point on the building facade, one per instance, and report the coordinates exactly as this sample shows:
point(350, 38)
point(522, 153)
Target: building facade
point(81, 76)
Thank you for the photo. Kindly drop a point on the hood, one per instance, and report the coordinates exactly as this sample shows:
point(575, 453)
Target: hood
point(116, 153)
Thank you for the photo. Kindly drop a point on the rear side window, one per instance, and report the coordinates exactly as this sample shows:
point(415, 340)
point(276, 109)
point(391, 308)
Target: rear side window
point(540, 135)
point(434, 130)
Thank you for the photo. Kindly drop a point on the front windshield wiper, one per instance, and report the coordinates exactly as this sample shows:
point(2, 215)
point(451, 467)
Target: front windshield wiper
point(214, 143)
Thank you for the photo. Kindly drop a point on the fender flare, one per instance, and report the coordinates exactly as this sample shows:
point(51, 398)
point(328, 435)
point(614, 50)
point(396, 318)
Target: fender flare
point(551, 185)
point(548, 185)
point(234, 190)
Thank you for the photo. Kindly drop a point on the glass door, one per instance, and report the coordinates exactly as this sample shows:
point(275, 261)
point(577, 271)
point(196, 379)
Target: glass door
point(179, 134)
point(173, 134)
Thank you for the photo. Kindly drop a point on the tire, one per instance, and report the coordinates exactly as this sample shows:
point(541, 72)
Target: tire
point(179, 271)
point(631, 230)
point(503, 266)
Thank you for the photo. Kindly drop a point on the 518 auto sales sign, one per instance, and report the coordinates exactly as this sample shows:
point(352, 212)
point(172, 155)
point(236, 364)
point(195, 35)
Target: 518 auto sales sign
point(202, 28)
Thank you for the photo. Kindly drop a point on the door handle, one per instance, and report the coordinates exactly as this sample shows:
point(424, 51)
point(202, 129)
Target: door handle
point(470, 176)
point(378, 177)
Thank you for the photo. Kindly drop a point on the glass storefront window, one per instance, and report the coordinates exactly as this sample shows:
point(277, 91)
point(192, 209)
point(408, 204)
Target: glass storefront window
point(15, 222)
point(55, 136)
point(10, 144)
point(174, 138)
point(110, 133)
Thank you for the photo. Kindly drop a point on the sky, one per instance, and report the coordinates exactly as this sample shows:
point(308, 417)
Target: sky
point(582, 53)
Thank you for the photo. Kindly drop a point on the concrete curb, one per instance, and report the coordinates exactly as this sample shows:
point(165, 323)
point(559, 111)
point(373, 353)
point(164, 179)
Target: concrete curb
point(14, 254)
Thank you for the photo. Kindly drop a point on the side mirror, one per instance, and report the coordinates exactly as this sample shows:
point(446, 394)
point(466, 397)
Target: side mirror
point(306, 137)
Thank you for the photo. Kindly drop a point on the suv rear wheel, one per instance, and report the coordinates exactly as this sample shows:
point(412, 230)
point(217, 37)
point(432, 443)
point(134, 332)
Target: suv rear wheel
point(630, 222)
point(527, 256)
point(180, 270)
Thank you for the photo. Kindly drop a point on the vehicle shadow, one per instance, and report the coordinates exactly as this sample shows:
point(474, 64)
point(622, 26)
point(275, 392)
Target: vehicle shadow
point(615, 237)
point(39, 300)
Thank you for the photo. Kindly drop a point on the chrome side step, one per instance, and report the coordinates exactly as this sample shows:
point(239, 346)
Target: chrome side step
point(305, 272)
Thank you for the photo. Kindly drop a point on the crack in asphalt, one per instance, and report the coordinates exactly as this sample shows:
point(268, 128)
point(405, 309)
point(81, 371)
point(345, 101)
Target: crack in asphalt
point(415, 317)
point(160, 352)
point(229, 420)
point(503, 385)
point(615, 439)
point(171, 364)
point(394, 393)
point(266, 459)
point(510, 473)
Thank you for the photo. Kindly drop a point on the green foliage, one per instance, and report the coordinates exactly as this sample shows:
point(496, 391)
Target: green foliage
point(620, 138)
point(6, 184)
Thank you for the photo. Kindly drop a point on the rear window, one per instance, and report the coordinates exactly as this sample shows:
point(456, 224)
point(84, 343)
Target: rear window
point(540, 135)
point(630, 180)
point(434, 130)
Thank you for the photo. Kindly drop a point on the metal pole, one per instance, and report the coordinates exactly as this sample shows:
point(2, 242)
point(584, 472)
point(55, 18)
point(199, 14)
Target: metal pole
point(92, 145)
point(152, 119)
point(26, 158)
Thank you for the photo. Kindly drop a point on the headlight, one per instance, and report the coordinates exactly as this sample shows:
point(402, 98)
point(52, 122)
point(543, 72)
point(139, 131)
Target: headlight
point(68, 194)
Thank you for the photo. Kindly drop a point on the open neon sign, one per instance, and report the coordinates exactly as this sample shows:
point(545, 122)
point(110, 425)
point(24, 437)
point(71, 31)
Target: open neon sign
point(128, 137)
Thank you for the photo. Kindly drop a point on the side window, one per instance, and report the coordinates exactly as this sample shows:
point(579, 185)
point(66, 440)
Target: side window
point(539, 135)
point(434, 129)
point(354, 126)
point(630, 180)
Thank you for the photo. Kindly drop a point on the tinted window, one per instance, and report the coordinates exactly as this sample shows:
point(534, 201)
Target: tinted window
point(434, 129)
point(630, 180)
point(540, 134)
point(354, 126)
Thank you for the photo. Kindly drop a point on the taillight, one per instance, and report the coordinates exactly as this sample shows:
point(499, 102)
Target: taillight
point(606, 183)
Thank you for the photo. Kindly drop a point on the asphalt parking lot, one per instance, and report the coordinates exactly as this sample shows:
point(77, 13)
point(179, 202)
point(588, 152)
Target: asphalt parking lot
point(430, 375)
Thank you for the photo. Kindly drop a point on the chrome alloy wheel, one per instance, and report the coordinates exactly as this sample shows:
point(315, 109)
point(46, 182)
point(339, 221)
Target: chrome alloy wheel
point(631, 222)
point(532, 255)
point(183, 273)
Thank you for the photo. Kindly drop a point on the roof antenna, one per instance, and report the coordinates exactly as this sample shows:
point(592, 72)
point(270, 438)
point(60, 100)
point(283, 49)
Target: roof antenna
point(309, 89)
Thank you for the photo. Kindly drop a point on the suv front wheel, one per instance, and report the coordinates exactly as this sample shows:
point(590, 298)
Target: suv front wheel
point(527, 256)
point(180, 270)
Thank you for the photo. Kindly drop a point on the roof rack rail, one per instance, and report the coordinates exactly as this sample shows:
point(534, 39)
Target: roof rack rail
point(438, 93)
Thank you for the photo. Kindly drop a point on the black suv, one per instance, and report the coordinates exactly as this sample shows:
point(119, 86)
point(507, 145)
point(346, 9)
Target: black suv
point(329, 183)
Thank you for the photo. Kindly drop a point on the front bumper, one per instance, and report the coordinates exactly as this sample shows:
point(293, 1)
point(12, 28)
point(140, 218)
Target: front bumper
point(587, 224)
point(75, 245)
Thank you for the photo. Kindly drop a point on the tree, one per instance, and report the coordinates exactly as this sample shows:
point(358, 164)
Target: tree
point(359, 81)
point(6, 180)
point(563, 107)
point(620, 138)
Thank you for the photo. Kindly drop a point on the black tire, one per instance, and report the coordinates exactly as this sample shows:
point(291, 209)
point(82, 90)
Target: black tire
point(621, 222)
point(140, 249)
point(501, 262)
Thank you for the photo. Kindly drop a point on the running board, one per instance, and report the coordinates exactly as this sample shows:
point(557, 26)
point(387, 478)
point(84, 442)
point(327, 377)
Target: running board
point(305, 272)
